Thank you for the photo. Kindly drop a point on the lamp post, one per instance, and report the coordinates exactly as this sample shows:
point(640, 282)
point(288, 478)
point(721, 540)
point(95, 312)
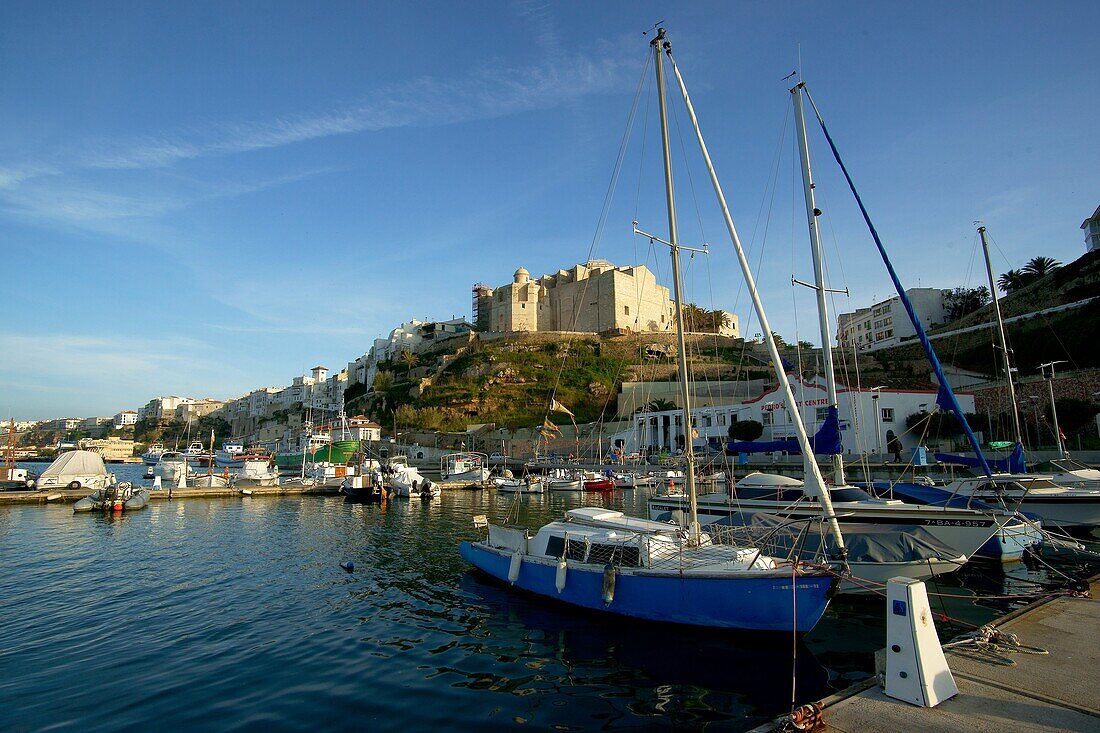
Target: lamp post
point(1053, 407)
point(875, 391)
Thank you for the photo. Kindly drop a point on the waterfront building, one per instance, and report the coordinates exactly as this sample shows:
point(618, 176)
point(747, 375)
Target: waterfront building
point(111, 448)
point(886, 324)
point(94, 423)
point(62, 423)
point(192, 409)
point(869, 418)
point(124, 419)
point(160, 409)
point(1091, 227)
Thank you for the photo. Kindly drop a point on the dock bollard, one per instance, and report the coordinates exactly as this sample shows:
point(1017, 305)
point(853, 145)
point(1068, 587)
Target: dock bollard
point(916, 670)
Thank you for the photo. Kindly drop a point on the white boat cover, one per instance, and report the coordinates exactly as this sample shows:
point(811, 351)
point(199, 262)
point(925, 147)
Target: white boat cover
point(867, 543)
point(75, 463)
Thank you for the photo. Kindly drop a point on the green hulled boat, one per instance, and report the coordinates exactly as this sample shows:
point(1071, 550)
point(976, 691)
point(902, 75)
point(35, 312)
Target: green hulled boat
point(339, 451)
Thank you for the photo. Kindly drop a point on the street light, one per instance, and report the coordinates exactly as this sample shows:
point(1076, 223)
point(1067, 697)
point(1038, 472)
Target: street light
point(1053, 408)
point(878, 417)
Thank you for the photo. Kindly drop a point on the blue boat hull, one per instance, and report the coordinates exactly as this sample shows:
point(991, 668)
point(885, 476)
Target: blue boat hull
point(751, 603)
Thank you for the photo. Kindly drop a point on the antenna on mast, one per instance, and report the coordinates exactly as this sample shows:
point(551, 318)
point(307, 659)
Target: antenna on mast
point(655, 27)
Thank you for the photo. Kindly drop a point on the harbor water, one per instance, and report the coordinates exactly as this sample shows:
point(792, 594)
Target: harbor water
point(235, 614)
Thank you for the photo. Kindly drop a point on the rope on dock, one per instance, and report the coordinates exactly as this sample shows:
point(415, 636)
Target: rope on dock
point(990, 644)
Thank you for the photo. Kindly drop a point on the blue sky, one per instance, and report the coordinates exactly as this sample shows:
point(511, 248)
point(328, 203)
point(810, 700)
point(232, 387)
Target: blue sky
point(203, 198)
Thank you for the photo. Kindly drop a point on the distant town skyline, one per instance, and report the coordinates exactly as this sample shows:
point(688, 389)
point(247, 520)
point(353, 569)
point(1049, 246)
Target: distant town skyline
point(204, 199)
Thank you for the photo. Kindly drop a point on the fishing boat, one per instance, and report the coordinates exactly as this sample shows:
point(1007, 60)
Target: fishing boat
point(529, 484)
point(596, 482)
point(117, 497)
point(365, 486)
point(76, 469)
point(317, 448)
point(152, 454)
point(465, 466)
point(603, 560)
point(255, 472)
point(564, 479)
point(231, 454)
point(196, 454)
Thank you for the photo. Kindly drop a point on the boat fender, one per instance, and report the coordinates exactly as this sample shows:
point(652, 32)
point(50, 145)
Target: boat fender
point(609, 575)
point(559, 578)
point(514, 566)
point(349, 566)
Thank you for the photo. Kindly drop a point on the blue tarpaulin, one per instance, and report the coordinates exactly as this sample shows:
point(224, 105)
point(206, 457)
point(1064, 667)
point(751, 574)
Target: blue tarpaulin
point(825, 441)
point(1014, 463)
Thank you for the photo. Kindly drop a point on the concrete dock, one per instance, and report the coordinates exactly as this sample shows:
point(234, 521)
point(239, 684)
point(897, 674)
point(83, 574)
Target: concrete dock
point(1053, 692)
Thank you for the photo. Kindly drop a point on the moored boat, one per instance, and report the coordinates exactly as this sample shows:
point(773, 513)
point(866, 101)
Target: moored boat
point(117, 497)
point(529, 484)
point(605, 561)
point(152, 454)
point(171, 467)
point(76, 469)
point(464, 466)
point(407, 483)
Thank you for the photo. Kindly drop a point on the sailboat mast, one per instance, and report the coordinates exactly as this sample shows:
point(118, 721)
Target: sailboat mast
point(1001, 335)
point(659, 44)
point(812, 212)
point(813, 471)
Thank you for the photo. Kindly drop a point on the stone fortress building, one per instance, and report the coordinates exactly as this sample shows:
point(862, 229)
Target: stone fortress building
point(594, 297)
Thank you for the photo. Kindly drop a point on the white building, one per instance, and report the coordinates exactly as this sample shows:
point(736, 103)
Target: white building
point(868, 418)
point(414, 336)
point(886, 323)
point(125, 419)
point(160, 408)
point(1091, 227)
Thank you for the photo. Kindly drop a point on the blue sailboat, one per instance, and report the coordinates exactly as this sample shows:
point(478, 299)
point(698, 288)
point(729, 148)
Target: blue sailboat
point(605, 561)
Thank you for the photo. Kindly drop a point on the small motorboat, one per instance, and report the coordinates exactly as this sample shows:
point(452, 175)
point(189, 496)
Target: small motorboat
point(118, 497)
point(596, 482)
point(563, 480)
point(369, 487)
point(407, 483)
point(255, 472)
point(76, 469)
point(529, 484)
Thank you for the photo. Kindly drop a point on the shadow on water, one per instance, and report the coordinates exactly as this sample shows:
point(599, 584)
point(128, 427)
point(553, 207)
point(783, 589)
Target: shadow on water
point(690, 676)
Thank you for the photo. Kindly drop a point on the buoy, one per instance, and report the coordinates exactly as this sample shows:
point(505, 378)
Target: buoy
point(608, 584)
point(514, 566)
point(559, 579)
point(349, 566)
point(246, 492)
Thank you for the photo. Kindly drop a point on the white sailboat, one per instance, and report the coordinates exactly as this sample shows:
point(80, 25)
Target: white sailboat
point(964, 529)
point(604, 560)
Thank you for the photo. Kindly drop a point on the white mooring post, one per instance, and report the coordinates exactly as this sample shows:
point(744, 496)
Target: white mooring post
point(916, 670)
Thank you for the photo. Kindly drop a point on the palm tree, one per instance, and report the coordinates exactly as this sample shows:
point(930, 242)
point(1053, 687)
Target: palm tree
point(1041, 266)
point(1013, 280)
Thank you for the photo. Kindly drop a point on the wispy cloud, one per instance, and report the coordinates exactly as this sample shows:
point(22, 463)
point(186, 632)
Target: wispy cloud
point(422, 102)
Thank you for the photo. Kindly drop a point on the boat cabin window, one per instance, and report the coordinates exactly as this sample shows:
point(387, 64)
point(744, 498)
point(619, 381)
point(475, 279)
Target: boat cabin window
point(618, 555)
point(555, 545)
